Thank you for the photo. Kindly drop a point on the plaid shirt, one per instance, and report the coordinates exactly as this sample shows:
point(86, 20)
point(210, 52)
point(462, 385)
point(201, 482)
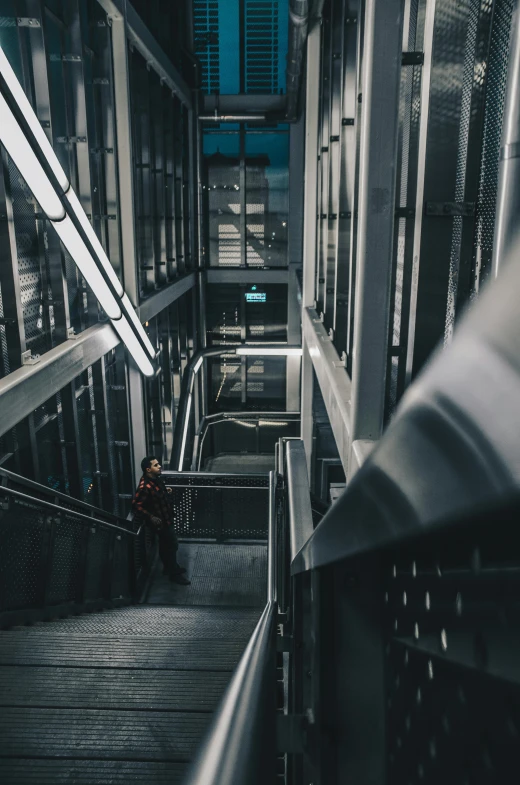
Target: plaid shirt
point(151, 500)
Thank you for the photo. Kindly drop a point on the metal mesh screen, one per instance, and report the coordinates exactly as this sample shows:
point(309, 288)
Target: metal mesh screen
point(21, 542)
point(220, 506)
point(493, 118)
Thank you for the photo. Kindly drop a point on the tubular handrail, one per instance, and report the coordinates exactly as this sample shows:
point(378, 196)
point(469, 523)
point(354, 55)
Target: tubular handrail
point(86, 520)
point(299, 500)
point(271, 552)
point(235, 748)
point(57, 494)
point(213, 419)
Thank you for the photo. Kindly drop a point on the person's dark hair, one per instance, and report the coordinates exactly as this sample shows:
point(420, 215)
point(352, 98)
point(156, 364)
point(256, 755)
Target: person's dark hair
point(147, 462)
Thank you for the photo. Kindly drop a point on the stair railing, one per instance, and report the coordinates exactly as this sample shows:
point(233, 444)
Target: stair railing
point(59, 555)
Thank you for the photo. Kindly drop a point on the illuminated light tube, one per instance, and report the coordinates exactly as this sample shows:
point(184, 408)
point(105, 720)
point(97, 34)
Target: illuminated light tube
point(74, 244)
point(87, 227)
point(185, 434)
point(23, 157)
point(19, 96)
point(287, 351)
point(129, 339)
point(130, 312)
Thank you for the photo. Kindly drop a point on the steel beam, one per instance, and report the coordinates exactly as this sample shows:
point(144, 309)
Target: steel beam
point(333, 380)
point(164, 297)
point(240, 104)
point(381, 72)
point(238, 275)
point(140, 37)
point(23, 390)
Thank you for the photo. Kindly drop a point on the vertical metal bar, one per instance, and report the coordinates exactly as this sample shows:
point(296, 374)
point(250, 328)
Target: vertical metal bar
point(271, 542)
point(508, 197)
point(125, 164)
point(324, 159)
point(12, 311)
point(125, 169)
point(159, 180)
point(72, 441)
point(294, 333)
point(379, 133)
point(310, 210)
point(243, 198)
point(347, 166)
point(334, 142)
point(429, 29)
point(48, 240)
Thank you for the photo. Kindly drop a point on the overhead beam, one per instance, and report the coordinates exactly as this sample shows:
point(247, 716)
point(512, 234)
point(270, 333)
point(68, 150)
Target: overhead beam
point(237, 275)
point(164, 297)
point(333, 379)
point(23, 390)
point(238, 104)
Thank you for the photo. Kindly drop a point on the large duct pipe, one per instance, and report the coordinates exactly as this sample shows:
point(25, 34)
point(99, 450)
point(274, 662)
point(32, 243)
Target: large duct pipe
point(298, 28)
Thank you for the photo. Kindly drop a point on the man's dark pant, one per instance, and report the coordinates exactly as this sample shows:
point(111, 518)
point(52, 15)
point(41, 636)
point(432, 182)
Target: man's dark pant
point(168, 547)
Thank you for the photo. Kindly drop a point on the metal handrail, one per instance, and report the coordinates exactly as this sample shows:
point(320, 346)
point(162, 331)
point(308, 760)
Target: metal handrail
point(239, 746)
point(214, 419)
point(299, 500)
point(56, 494)
point(235, 749)
point(84, 519)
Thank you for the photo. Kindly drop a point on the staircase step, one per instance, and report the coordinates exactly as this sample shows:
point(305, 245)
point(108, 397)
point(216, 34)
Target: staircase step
point(181, 622)
point(94, 688)
point(89, 733)
point(89, 772)
point(105, 651)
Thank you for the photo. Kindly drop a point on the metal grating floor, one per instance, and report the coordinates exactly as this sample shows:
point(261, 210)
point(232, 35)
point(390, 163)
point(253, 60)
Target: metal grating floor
point(125, 695)
point(225, 575)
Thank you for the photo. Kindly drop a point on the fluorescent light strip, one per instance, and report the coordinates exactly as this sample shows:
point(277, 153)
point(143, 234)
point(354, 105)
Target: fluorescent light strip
point(21, 99)
point(74, 244)
point(288, 351)
point(27, 163)
point(80, 214)
point(129, 339)
point(185, 434)
point(130, 312)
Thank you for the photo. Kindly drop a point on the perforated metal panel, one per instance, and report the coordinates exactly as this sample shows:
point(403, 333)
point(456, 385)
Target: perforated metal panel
point(494, 112)
point(220, 506)
point(451, 607)
point(66, 559)
point(21, 542)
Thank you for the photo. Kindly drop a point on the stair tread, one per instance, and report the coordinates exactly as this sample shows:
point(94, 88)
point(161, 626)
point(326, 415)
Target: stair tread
point(90, 733)
point(111, 689)
point(105, 651)
point(37, 771)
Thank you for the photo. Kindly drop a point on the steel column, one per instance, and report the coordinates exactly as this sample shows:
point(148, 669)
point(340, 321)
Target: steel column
point(309, 226)
point(508, 199)
point(379, 134)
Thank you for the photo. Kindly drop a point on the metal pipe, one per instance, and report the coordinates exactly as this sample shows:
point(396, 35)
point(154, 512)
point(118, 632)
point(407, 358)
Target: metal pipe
point(299, 497)
point(508, 199)
point(298, 27)
point(271, 544)
point(78, 516)
point(232, 118)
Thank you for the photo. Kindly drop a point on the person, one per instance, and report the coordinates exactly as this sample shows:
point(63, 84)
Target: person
point(151, 503)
